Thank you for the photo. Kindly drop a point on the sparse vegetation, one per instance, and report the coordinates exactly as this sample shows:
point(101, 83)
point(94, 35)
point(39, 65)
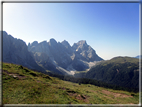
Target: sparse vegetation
point(24, 86)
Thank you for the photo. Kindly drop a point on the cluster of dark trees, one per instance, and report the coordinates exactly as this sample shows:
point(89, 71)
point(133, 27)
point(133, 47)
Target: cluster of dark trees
point(93, 82)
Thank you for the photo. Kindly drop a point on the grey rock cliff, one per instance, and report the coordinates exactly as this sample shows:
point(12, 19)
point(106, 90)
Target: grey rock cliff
point(61, 56)
point(85, 52)
point(51, 55)
point(83, 55)
point(58, 57)
point(16, 51)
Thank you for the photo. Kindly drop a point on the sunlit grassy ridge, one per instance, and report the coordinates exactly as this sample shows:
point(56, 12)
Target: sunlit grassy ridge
point(24, 86)
point(122, 71)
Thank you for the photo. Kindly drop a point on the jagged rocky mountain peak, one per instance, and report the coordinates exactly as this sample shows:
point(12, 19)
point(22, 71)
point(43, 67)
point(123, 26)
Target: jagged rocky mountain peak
point(79, 46)
point(29, 44)
point(52, 41)
point(4, 32)
point(57, 57)
point(81, 42)
point(34, 43)
point(66, 44)
point(6, 35)
point(44, 42)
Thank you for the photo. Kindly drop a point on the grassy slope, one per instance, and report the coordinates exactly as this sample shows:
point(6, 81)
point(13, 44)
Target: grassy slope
point(123, 71)
point(24, 86)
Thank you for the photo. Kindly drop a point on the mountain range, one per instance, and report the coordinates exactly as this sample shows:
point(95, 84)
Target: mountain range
point(61, 58)
point(57, 57)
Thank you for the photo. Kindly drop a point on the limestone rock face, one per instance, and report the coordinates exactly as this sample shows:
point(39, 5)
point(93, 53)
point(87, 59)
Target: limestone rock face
point(16, 51)
point(66, 44)
point(85, 52)
point(51, 54)
point(57, 57)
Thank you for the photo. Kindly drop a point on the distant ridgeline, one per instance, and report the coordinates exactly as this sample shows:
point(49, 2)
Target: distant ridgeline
point(122, 71)
point(139, 57)
point(61, 58)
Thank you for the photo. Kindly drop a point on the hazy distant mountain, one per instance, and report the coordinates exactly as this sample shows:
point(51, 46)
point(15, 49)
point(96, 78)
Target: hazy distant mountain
point(64, 59)
point(85, 51)
point(138, 56)
point(51, 55)
point(66, 44)
point(83, 54)
point(58, 57)
point(122, 71)
point(16, 51)
point(62, 56)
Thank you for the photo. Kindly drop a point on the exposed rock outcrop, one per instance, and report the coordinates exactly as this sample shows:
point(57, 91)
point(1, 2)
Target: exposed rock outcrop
point(57, 57)
point(16, 51)
point(62, 55)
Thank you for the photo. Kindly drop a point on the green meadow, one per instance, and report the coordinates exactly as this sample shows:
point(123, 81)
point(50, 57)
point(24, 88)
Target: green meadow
point(24, 86)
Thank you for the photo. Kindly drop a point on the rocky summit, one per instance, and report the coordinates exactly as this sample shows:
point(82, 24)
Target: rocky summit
point(84, 50)
point(62, 56)
point(58, 57)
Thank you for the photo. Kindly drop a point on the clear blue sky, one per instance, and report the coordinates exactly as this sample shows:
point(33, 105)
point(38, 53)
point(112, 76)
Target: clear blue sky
point(111, 29)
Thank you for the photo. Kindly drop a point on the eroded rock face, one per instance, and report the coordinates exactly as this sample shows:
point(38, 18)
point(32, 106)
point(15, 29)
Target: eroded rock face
point(52, 55)
point(55, 52)
point(63, 55)
point(85, 52)
point(16, 51)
